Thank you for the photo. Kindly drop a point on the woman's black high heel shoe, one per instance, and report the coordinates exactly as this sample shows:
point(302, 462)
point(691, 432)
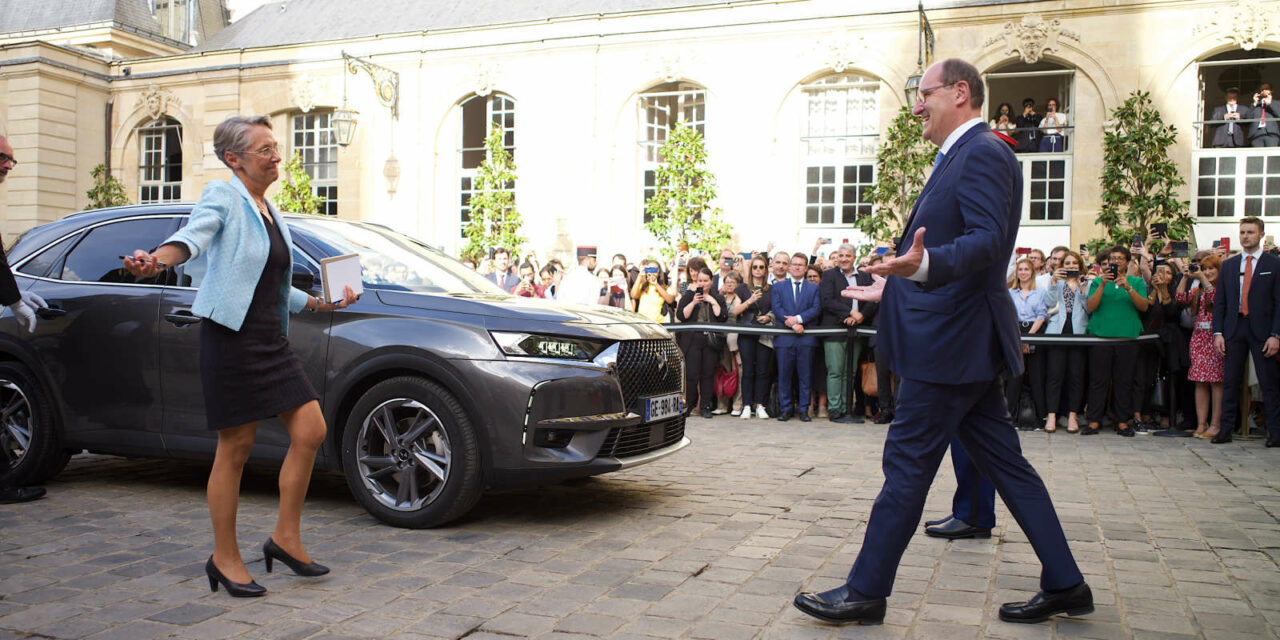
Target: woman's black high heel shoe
point(236, 589)
point(272, 551)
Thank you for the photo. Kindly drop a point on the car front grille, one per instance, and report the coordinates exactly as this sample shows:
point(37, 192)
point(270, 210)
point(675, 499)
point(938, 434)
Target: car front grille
point(649, 368)
point(624, 442)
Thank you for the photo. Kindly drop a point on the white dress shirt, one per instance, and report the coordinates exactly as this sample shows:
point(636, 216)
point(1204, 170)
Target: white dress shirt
point(922, 273)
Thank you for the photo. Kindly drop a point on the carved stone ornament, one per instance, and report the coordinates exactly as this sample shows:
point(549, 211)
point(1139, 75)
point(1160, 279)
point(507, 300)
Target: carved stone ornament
point(670, 66)
point(157, 101)
point(842, 50)
point(303, 92)
point(1246, 23)
point(486, 78)
point(1031, 38)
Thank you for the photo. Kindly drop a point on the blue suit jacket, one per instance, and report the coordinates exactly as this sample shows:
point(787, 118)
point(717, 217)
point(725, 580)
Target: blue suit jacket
point(1264, 294)
point(809, 307)
point(960, 326)
point(228, 242)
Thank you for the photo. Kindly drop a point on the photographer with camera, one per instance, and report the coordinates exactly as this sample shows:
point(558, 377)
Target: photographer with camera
point(528, 288)
point(1065, 363)
point(616, 292)
point(650, 292)
point(1265, 132)
point(701, 304)
point(1115, 300)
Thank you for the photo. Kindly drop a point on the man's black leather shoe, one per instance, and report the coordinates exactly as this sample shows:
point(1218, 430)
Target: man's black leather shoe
point(804, 416)
point(957, 529)
point(1222, 438)
point(14, 495)
point(848, 418)
point(1076, 601)
point(934, 523)
point(834, 416)
point(784, 416)
point(834, 606)
point(886, 417)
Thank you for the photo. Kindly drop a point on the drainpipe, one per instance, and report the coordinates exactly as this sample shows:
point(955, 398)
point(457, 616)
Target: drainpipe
point(106, 154)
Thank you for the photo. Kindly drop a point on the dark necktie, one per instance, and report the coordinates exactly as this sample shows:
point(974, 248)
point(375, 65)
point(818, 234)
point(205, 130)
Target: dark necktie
point(938, 159)
point(797, 293)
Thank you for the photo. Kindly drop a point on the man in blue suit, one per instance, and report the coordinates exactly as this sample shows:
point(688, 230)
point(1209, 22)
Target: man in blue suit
point(1249, 324)
point(948, 327)
point(796, 302)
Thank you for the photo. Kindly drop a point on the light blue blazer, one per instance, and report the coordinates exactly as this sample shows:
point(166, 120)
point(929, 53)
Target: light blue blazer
point(228, 241)
point(1079, 313)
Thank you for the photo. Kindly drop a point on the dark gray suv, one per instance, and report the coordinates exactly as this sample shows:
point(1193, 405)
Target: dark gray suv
point(435, 385)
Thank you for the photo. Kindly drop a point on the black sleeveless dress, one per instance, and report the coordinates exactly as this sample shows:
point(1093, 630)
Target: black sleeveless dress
point(252, 374)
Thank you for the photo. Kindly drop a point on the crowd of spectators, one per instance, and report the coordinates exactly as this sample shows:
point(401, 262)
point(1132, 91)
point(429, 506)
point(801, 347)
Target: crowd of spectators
point(1152, 287)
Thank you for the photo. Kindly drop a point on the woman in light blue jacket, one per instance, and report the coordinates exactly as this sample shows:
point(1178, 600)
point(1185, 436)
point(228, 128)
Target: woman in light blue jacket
point(1066, 362)
point(240, 245)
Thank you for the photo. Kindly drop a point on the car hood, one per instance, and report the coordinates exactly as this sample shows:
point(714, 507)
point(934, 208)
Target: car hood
point(513, 307)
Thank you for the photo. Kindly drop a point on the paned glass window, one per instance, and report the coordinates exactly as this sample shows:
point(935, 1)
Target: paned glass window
point(840, 140)
point(313, 140)
point(477, 115)
point(160, 165)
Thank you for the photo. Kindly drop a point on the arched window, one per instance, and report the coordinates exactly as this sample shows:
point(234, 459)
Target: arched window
point(840, 139)
point(313, 140)
point(160, 165)
point(1044, 151)
point(478, 113)
point(661, 107)
point(1232, 176)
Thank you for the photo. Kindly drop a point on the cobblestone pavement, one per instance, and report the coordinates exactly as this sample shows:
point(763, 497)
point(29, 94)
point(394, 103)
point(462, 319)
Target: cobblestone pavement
point(1177, 537)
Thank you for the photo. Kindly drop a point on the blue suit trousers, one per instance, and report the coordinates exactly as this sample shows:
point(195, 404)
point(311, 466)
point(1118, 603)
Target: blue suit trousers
point(928, 416)
point(975, 499)
point(795, 359)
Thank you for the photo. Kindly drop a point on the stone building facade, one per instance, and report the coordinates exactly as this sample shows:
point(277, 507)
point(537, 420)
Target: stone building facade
point(792, 98)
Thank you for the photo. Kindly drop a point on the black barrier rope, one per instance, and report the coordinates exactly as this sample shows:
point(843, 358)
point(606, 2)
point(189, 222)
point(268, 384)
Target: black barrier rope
point(866, 332)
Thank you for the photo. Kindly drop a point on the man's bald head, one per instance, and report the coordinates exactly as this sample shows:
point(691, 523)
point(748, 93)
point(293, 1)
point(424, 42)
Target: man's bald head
point(7, 161)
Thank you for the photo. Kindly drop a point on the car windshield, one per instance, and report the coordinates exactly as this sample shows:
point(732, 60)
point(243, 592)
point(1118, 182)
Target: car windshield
point(390, 260)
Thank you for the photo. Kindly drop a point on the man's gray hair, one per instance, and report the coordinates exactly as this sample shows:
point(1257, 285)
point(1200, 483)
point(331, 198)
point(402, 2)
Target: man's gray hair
point(956, 70)
point(232, 134)
point(848, 246)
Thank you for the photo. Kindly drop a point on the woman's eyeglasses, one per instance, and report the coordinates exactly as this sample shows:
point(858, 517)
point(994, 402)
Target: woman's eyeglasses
point(265, 152)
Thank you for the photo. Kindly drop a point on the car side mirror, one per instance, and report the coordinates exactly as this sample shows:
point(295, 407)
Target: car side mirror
point(304, 281)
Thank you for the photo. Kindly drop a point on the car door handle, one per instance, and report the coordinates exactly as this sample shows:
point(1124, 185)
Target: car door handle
point(181, 318)
point(49, 313)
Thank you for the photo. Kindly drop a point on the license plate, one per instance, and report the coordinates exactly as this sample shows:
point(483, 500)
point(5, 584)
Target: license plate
point(659, 407)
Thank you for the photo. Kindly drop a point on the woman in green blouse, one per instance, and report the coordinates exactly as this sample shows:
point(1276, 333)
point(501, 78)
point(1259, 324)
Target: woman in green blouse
point(1114, 302)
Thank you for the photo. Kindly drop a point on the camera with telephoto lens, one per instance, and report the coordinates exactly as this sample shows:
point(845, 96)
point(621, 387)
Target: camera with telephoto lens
point(1194, 266)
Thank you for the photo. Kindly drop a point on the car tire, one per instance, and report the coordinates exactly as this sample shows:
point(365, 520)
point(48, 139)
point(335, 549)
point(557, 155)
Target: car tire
point(410, 454)
point(29, 441)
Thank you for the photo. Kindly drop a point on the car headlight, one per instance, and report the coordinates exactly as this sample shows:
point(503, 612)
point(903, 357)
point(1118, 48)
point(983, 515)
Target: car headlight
point(532, 345)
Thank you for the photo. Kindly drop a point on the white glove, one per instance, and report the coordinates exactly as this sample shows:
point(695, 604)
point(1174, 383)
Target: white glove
point(25, 315)
point(34, 301)
point(24, 310)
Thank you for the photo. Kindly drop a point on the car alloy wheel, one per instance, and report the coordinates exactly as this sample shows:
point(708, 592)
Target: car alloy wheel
point(410, 454)
point(404, 455)
point(15, 424)
point(29, 440)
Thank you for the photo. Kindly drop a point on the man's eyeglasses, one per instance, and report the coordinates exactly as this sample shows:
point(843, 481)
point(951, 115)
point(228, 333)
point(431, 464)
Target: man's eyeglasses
point(265, 152)
point(925, 93)
point(6, 158)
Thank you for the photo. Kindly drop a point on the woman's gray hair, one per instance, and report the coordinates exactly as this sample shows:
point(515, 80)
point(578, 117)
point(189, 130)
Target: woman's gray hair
point(232, 134)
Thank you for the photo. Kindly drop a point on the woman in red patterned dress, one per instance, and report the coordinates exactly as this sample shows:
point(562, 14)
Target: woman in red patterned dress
point(1206, 363)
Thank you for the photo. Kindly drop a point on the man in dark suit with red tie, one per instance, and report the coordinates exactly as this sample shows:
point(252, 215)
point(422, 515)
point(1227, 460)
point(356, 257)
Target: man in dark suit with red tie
point(948, 327)
point(1247, 322)
point(796, 303)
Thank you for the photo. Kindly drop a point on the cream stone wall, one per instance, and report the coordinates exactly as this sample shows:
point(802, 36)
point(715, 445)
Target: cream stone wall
point(576, 85)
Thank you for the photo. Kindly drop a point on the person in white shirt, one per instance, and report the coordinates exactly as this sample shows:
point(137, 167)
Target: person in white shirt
point(1054, 141)
point(581, 285)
